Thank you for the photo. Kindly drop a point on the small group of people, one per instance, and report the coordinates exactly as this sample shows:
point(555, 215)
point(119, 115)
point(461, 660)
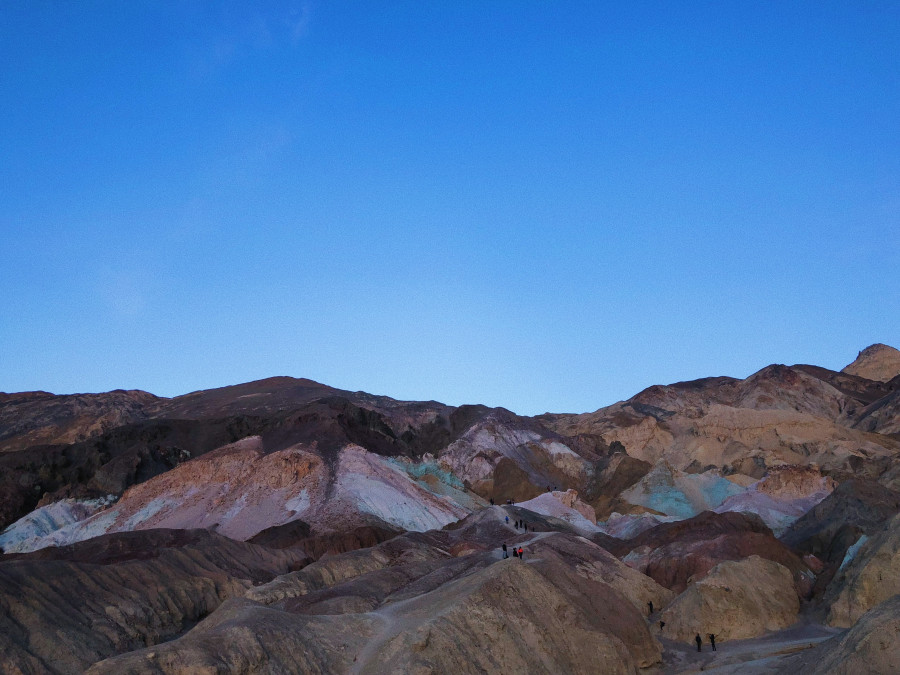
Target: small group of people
point(699, 641)
point(517, 552)
point(522, 524)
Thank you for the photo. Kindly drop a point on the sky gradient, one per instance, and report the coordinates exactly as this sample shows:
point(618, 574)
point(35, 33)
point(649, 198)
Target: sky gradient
point(544, 206)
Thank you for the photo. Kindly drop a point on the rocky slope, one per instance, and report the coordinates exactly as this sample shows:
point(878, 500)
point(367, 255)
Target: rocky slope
point(869, 575)
point(736, 600)
point(63, 609)
point(795, 415)
point(876, 362)
point(409, 605)
point(787, 480)
point(872, 646)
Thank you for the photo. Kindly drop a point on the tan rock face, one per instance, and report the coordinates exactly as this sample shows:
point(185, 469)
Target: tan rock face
point(877, 362)
point(794, 415)
point(869, 579)
point(410, 605)
point(872, 647)
point(736, 600)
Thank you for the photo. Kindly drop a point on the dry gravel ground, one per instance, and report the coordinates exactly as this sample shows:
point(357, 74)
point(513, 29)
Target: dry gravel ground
point(759, 656)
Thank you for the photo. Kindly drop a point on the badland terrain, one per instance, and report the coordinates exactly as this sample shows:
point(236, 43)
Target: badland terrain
point(284, 526)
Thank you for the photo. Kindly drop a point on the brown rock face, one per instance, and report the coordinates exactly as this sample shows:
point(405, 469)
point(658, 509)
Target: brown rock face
point(675, 554)
point(780, 415)
point(409, 605)
point(872, 646)
point(869, 579)
point(856, 507)
point(63, 609)
point(877, 362)
point(40, 418)
point(737, 600)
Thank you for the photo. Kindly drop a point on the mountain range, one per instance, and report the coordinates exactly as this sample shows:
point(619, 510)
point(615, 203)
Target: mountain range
point(284, 525)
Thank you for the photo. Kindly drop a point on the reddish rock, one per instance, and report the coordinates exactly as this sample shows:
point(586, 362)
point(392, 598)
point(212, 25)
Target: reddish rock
point(685, 551)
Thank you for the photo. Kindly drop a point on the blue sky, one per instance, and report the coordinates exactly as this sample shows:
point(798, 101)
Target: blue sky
point(544, 206)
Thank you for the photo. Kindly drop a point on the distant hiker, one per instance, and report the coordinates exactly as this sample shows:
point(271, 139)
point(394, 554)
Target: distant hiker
point(521, 552)
point(492, 501)
point(548, 488)
point(515, 552)
point(525, 525)
point(712, 641)
point(505, 553)
point(662, 624)
point(507, 520)
point(650, 605)
point(699, 642)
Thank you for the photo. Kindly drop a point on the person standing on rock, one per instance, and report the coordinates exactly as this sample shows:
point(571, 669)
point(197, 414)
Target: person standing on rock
point(650, 605)
point(712, 641)
point(699, 642)
point(515, 552)
point(505, 553)
point(521, 552)
point(507, 520)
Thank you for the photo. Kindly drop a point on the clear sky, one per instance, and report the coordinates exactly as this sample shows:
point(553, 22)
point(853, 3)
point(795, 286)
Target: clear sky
point(539, 205)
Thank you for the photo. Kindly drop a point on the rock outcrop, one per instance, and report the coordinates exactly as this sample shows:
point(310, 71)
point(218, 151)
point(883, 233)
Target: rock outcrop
point(782, 496)
point(871, 646)
point(736, 600)
point(565, 505)
point(780, 415)
point(869, 575)
point(239, 491)
point(876, 362)
point(857, 507)
point(40, 418)
point(679, 553)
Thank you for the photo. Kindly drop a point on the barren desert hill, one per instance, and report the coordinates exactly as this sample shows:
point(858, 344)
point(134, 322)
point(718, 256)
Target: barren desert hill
point(94, 445)
point(287, 526)
point(877, 362)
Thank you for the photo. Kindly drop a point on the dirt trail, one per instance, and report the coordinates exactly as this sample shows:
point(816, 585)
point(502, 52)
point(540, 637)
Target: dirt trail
point(758, 656)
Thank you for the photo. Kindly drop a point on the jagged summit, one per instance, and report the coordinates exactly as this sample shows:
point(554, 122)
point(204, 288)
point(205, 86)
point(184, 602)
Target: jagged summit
point(877, 362)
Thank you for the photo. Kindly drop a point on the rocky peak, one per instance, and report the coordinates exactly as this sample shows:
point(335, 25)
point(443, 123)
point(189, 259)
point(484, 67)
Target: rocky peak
point(876, 362)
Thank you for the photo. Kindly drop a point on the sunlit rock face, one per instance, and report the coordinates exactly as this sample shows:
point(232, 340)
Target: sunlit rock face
point(736, 600)
point(796, 415)
point(877, 362)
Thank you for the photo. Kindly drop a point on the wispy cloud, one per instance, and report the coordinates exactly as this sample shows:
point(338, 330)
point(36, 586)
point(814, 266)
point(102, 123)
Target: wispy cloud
point(240, 28)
